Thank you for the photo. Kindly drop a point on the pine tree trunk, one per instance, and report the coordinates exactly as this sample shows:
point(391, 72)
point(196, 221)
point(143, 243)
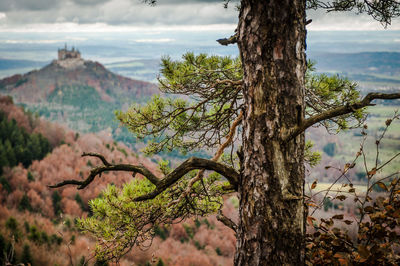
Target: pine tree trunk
point(271, 39)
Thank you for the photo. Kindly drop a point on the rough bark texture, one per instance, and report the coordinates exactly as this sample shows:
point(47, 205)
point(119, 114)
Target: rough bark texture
point(271, 39)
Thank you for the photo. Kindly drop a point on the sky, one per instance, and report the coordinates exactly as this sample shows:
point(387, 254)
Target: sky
point(130, 15)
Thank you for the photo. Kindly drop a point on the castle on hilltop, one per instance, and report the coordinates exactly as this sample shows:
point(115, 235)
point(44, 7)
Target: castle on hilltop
point(66, 54)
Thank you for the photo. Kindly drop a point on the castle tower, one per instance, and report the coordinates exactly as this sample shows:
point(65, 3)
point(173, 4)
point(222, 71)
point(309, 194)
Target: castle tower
point(64, 54)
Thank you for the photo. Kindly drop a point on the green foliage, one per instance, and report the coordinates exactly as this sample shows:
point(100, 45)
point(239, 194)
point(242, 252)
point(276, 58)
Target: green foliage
point(83, 97)
point(30, 177)
point(203, 115)
point(79, 200)
point(25, 204)
point(311, 157)
point(160, 262)
point(12, 226)
point(189, 230)
point(20, 82)
point(206, 222)
point(27, 227)
point(198, 245)
point(164, 166)
point(26, 256)
point(17, 146)
point(382, 11)
point(161, 231)
point(67, 223)
point(82, 262)
point(44, 238)
point(123, 151)
point(218, 251)
point(72, 240)
point(325, 92)
point(34, 234)
point(197, 223)
point(55, 239)
point(116, 212)
point(211, 87)
point(5, 184)
point(100, 262)
point(56, 199)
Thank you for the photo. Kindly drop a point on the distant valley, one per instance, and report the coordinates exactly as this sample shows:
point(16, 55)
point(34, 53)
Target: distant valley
point(363, 67)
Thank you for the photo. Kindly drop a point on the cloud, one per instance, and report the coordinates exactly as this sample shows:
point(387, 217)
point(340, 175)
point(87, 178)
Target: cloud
point(123, 14)
point(102, 27)
point(90, 2)
point(162, 40)
point(32, 41)
point(36, 5)
point(346, 21)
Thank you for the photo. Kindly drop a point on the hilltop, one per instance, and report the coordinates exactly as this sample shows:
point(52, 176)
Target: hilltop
point(70, 70)
point(81, 94)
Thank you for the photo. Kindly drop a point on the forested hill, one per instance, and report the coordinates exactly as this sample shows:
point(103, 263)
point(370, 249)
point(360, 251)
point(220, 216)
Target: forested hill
point(40, 85)
point(78, 93)
point(17, 145)
point(24, 137)
point(37, 223)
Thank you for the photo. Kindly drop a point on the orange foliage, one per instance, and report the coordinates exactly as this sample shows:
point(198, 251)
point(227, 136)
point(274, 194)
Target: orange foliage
point(65, 162)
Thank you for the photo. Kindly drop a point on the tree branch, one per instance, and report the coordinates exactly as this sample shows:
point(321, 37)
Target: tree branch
point(101, 157)
point(161, 184)
point(230, 40)
point(187, 166)
point(342, 110)
point(220, 151)
point(108, 167)
point(226, 221)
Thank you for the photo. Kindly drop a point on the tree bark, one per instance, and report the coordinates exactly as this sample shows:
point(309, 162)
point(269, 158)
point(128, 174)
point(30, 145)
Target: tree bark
point(271, 40)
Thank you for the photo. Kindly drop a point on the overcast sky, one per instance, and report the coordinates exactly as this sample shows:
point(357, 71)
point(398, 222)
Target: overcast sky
point(125, 15)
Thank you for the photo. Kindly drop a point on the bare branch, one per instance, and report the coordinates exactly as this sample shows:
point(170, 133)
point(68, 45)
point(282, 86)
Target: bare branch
point(226, 221)
point(342, 110)
point(101, 157)
point(108, 167)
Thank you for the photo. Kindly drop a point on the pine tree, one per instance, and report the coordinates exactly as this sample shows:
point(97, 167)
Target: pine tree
point(9, 151)
point(56, 199)
point(3, 158)
point(267, 96)
point(25, 204)
point(26, 256)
